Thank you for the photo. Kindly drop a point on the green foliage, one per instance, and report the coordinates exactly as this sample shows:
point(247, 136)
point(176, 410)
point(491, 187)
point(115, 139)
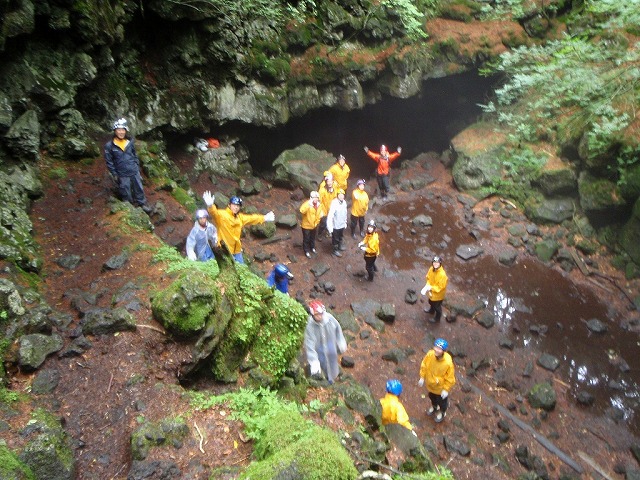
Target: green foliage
point(411, 17)
point(11, 466)
point(177, 263)
point(57, 173)
point(441, 474)
point(575, 85)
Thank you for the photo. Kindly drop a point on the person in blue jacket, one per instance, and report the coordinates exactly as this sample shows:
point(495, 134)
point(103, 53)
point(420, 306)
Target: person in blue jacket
point(280, 277)
point(124, 166)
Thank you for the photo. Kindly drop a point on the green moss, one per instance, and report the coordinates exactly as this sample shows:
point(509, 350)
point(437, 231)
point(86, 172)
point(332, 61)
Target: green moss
point(55, 436)
point(57, 173)
point(11, 467)
point(183, 198)
point(169, 431)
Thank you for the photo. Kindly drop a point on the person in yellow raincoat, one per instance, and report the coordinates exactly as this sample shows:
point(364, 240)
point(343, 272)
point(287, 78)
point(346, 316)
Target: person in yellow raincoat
point(438, 372)
point(371, 248)
point(340, 171)
point(359, 207)
point(328, 191)
point(312, 212)
point(436, 287)
point(230, 222)
point(392, 409)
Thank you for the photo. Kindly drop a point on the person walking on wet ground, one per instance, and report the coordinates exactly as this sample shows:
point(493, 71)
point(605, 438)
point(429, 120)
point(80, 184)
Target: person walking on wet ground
point(383, 159)
point(323, 341)
point(371, 248)
point(340, 171)
point(230, 222)
point(312, 212)
point(392, 409)
point(279, 277)
point(436, 288)
point(202, 238)
point(438, 373)
point(337, 222)
point(359, 207)
point(328, 191)
point(124, 166)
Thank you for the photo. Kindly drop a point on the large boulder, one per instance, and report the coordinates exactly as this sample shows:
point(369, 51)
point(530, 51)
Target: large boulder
point(551, 210)
point(23, 137)
point(35, 348)
point(599, 195)
point(557, 180)
point(476, 152)
point(302, 167)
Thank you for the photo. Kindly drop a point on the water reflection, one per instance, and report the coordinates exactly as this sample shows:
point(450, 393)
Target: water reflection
point(535, 305)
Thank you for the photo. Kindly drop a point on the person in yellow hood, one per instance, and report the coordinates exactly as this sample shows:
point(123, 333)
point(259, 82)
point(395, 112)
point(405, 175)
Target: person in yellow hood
point(371, 248)
point(328, 191)
point(438, 372)
point(392, 409)
point(359, 207)
point(340, 171)
point(312, 212)
point(436, 287)
point(230, 222)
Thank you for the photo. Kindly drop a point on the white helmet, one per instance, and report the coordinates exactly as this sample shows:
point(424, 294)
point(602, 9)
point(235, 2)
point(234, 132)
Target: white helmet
point(202, 213)
point(121, 123)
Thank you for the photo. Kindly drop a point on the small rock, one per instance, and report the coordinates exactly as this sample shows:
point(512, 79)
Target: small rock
point(548, 362)
point(596, 326)
point(347, 362)
point(467, 252)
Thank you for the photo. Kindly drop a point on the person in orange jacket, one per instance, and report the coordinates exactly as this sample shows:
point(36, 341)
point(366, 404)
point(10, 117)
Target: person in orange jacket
point(340, 171)
point(371, 248)
point(312, 212)
point(359, 207)
point(436, 287)
point(230, 222)
point(392, 409)
point(438, 372)
point(328, 191)
point(383, 159)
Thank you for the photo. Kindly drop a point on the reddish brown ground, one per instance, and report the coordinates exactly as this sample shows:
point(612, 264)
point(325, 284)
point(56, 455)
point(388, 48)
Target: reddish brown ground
point(105, 393)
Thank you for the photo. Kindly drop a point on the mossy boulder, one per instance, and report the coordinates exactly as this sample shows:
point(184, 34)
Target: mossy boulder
point(551, 210)
point(543, 396)
point(48, 452)
point(599, 195)
point(557, 181)
point(170, 431)
point(295, 448)
point(302, 167)
point(11, 468)
point(359, 398)
point(188, 304)
point(35, 348)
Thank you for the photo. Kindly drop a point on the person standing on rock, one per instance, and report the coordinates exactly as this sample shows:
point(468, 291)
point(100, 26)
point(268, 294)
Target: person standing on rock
point(124, 166)
point(392, 409)
point(340, 171)
point(436, 288)
point(202, 238)
point(371, 248)
point(230, 222)
point(328, 191)
point(383, 159)
point(359, 207)
point(337, 222)
point(312, 213)
point(323, 341)
point(438, 372)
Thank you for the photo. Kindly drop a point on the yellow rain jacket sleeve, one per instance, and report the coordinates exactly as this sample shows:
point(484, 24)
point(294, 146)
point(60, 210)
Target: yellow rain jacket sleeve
point(340, 175)
point(393, 411)
point(438, 280)
point(438, 374)
point(359, 203)
point(230, 226)
point(372, 243)
point(326, 197)
point(311, 215)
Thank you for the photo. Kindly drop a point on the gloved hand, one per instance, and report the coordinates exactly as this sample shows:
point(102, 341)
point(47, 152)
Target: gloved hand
point(366, 149)
point(421, 382)
point(270, 217)
point(360, 244)
point(444, 394)
point(413, 432)
point(363, 248)
point(314, 367)
point(424, 290)
point(399, 150)
point(330, 231)
point(208, 198)
point(192, 256)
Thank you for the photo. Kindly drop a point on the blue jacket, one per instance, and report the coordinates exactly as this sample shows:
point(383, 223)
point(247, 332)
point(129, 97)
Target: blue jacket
point(121, 163)
point(281, 283)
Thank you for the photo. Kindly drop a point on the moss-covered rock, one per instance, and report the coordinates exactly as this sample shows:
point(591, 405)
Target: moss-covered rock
point(188, 304)
point(11, 468)
point(169, 431)
point(295, 448)
point(302, 167)
point(630, 235)
point(557, 181)
point(599, 195)
point(48, 452)
point(550, 210)
point(477, 157)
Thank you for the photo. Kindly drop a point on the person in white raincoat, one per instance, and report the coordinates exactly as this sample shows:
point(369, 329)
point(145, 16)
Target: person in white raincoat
point(202, 238)
point(323, 341)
